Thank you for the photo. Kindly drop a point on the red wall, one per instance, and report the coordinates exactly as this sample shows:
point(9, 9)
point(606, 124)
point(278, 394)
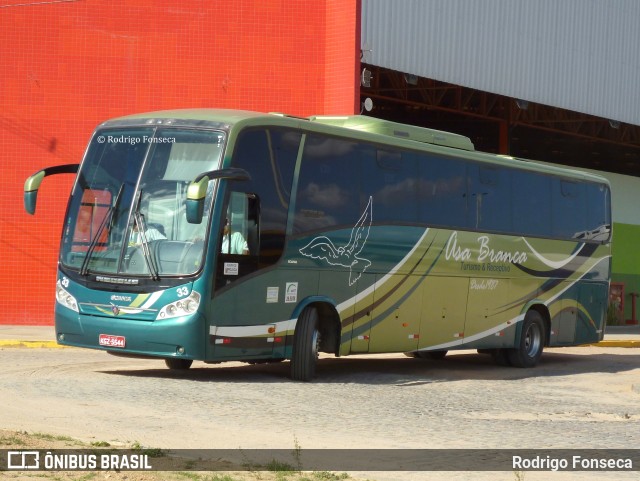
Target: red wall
point(67, 66)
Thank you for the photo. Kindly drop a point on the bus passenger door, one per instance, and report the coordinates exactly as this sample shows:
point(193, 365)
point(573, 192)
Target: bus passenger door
point(444, 307)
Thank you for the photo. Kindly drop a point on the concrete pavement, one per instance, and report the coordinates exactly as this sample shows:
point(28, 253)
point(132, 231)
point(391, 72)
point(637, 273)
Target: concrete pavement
point(44, 336)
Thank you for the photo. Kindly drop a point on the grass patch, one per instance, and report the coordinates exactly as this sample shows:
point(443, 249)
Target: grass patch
point(51, 437)
point(12, 440)
point(151, 452)
point(100, 444)
point(200, 477)
point(329, 476)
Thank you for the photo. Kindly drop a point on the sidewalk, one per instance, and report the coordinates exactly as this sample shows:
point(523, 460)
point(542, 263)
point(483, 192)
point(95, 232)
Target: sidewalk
point(621, 336)
point(44, 336)
point(27, 336)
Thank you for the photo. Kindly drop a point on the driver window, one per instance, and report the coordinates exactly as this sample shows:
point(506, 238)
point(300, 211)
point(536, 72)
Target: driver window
point(239, 245)
point(237, 225)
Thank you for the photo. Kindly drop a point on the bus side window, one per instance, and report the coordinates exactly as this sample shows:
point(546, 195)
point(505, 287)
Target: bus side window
point(569, 201)
point(490, 194)
point(599, 222)
point(531, 203)
point(239, 239)
point(328, 194)
point(389, 176)
point(241, 230)
point(269, 155)
point(442, 192)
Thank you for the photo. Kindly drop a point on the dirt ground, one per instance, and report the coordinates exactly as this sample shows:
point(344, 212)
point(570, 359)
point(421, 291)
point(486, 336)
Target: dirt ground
point(577, 398)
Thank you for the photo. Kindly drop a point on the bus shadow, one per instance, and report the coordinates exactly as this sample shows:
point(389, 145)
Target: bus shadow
point(472, 366)
point(400, 371)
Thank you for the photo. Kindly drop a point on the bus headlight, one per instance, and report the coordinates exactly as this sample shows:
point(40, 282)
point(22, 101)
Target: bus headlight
point(185, 306)
point(65, 299)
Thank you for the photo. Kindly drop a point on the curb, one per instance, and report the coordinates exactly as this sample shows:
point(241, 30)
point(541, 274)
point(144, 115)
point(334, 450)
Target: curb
point(31, 344)
point(629, 343)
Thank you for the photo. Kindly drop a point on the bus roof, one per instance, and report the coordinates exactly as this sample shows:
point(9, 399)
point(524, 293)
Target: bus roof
point(394, 129)
point(218, 116)
point(359, 126)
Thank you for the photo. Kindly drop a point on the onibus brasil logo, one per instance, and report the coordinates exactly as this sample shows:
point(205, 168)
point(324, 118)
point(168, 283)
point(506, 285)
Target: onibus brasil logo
point(82, 460)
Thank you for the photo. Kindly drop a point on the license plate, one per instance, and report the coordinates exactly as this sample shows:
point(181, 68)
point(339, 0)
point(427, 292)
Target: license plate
point(112, 341)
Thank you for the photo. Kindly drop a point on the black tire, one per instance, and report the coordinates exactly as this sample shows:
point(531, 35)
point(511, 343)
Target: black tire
point(176, 364)
point(501, 357)
point(306, 342)
point(433, 355)
point(531, 343)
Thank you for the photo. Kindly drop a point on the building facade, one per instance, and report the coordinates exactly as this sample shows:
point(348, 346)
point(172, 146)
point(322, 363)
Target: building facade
point(66, 66)
point(546, 80)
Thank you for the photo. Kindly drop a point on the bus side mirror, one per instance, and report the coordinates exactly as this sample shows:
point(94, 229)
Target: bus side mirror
point(197, 190)
point(32, 184)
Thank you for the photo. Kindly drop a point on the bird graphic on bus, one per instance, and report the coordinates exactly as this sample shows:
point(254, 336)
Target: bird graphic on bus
point(323, 248)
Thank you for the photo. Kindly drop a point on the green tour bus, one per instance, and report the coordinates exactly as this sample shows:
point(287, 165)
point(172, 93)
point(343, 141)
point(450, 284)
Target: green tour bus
point(222, 235)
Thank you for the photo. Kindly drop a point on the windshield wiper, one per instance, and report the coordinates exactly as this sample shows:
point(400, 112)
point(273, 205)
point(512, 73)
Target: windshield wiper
point(146, 252)
point(108, 219)
point(149, 258)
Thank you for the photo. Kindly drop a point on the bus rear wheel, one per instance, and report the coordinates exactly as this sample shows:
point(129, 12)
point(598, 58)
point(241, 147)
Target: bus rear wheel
point(306, 343)
point(531, 344)
point(178, 364)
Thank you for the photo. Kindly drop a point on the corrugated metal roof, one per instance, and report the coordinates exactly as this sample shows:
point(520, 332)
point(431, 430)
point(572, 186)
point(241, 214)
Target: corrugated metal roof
point(580, 55)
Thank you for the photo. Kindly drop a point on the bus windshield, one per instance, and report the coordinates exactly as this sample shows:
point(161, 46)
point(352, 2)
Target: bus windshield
point(127, 209)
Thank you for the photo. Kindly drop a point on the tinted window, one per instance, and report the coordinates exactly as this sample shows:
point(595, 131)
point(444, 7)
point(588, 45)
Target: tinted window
point(442, 191)
point(599, 204)
point(569, 214)
point(390, 178)
point(490, 198)
point(270, 157)
point(338, 176)
point(531, 203)
point(329, 185)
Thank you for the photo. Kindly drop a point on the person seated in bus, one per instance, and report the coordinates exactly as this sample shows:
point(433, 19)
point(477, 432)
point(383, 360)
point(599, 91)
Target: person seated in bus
point(154, 231)
point(233, 243)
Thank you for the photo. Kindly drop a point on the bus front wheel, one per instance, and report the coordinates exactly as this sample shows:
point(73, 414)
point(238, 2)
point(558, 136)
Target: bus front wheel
point(306, 343)
point(178, 364)
point(529, 349)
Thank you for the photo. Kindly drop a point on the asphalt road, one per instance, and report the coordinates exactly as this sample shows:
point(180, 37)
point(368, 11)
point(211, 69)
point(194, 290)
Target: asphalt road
point(583, 397)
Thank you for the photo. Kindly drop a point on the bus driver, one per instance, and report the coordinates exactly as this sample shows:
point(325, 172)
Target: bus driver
point(233, 243)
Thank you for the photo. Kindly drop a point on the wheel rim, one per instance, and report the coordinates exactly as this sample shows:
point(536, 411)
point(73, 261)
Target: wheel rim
point(315, 344)
point(532, 340)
